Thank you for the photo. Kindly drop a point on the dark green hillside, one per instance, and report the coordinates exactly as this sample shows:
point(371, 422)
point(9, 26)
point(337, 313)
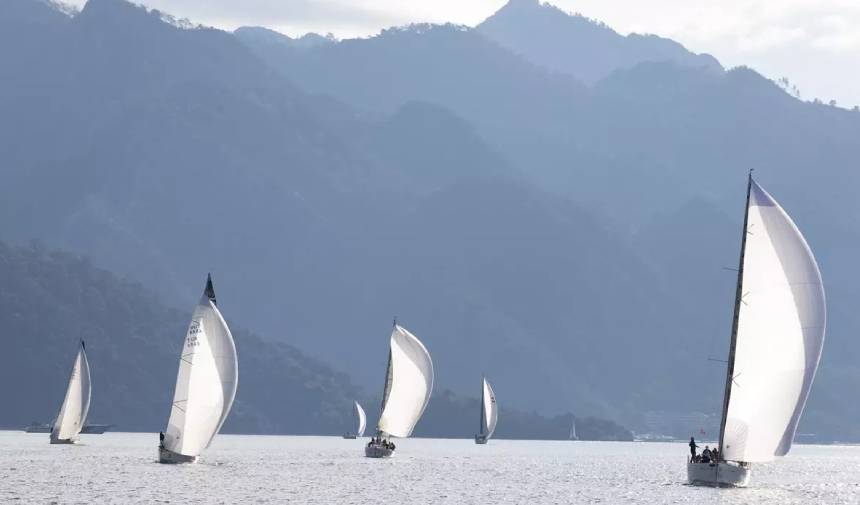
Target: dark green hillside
point(49, 299)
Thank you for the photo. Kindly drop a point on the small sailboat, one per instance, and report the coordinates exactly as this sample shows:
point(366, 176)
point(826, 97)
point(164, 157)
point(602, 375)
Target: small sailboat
point(205, 384)
point(777, 337)
point(361, 419)
point(408, 384)
point(489, 413)
point(573, 428)
point(73, 412)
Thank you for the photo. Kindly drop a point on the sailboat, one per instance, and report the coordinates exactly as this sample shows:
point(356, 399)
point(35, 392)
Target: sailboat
point(361, 419)
point(408, 384)
point(489, 413)
point(73, 412)
point(776, 341)
point(205, 384)
point(573, 428)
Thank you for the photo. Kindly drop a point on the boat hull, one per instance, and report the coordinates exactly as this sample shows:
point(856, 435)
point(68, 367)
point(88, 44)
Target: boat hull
point(480, 439)
point(173, 458)
point(349, 436)
point(96, 429)
point(378, 451)
point(64, 441)
point(720, 474)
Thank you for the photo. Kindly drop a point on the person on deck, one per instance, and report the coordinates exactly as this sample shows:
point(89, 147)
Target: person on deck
point(693, 448)
point(161, 439)
point(706, 455)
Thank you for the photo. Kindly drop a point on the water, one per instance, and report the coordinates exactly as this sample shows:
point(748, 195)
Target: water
point(122, 468)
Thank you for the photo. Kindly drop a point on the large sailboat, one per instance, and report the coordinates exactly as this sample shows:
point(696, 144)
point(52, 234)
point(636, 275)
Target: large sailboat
point(361, 420)
point(408, 384)
point(776, 342)
point(73, 412)
point(489, 413)
point(205, 384)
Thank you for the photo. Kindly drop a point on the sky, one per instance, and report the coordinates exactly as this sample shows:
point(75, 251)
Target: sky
point(814, 43)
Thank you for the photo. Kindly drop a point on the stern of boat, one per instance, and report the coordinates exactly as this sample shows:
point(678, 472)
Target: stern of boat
point(377, 451)
point(722, 474)
point(171, 458)
point(480, 439)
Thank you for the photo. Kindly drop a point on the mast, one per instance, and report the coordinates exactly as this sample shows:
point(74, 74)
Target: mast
point(387, 387)
point(483, 406)
point(730, 368)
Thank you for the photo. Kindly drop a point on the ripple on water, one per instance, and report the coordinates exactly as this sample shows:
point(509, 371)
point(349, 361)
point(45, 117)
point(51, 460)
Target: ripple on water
point(121, 468)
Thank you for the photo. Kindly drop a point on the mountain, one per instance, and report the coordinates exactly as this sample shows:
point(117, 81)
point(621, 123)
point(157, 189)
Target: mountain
point(578, 46)
point(565, 239)
point(49, 299)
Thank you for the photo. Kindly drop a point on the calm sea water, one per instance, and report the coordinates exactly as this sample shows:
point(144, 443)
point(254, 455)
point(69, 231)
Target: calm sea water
point(122, 468)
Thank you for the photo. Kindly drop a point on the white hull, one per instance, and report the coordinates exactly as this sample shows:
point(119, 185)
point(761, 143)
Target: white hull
point(64, 440)
point(170, 457)
point(378, 451)
point(720, 474)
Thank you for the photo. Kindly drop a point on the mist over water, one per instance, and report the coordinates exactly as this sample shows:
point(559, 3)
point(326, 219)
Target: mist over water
point(122, 468)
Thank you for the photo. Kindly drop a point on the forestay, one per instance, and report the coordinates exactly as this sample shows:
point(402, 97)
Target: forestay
point(73, 412)
point(780, 334)
point(408, 385)
point(206, 381)
point(491, 410)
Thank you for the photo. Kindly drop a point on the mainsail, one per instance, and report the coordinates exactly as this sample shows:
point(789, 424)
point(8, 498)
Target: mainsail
point(489, 410)
point(73, 412)
point(206, 381)
point(362, 420)
point(778, 334)
point(408, 384)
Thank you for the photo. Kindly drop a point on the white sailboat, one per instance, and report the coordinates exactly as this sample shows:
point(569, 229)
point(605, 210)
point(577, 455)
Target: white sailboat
point(573, 428)
point(776, 342)
point(205, 384)
point(489, 413)
point(361, 419)
point(408, 384)
point(73, 412)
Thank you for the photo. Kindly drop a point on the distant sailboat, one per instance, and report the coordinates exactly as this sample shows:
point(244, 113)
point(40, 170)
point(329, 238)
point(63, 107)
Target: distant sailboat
point(489, 413)
point(205, 384)
point(73, 412)
point(361, 420)
point(408, 384)
point(776, 342)
point(573, 428)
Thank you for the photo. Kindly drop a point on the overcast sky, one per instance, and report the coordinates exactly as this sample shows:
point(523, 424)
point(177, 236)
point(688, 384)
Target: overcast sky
point(815, 43)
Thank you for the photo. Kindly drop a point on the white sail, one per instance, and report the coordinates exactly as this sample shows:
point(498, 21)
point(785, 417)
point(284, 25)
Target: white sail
point(573, 429)
point(408, 385)
point(206, 381)
point(780, 335)
point(362, 420)
point(491, 410)
point(73, 412)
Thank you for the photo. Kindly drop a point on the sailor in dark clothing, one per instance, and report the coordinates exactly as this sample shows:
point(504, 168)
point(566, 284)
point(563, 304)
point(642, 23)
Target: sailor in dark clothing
point(161, 438)
point(693, 448)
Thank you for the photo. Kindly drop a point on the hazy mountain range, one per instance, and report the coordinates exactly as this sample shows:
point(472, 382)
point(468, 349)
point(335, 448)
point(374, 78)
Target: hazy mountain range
point(552, 210)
